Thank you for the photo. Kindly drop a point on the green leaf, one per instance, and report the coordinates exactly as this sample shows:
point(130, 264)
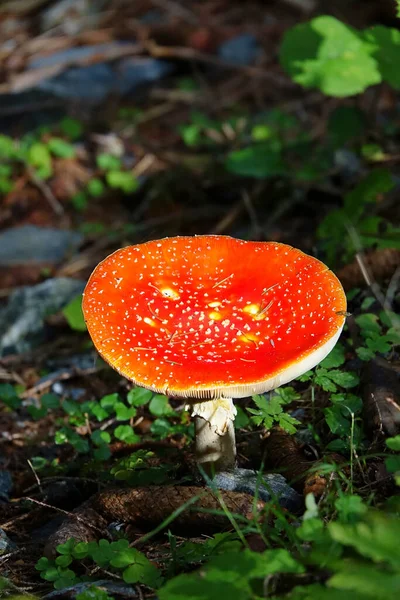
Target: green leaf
point(50, 401)
point(126, 434)
point(74, 315)
point(40, 158)
point(61, 148)
point(71, 128)
point(392, 464)
point(323, 379)
point(368, 191)
point(160, 407)
point(140, 569)
point(350, 507)
point(368, 323)
point(191, 134)
point(374, 583)
point(385, 44)
point(79, 201)
point(335, 358)
point(192, 587)
point(100, 438)
point(259, 161)
point(376, 537)
point(7, 147)
point(123, 412)
point(373, 152)
point(329, 55)
point(108, 162)
point(288, 423)
point(63, 561)
point(365, 353)
point(95, 187)
point(9, 396)
point(139, 396)
point(122, 180)
point(109, 402)
point(345, 379)
point(394, 443)
point(336, 421)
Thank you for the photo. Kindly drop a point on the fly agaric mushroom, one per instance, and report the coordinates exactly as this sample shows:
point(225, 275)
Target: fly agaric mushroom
point(211, 318)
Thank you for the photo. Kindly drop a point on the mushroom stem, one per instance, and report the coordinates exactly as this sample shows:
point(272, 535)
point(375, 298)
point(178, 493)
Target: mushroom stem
point(215, 445)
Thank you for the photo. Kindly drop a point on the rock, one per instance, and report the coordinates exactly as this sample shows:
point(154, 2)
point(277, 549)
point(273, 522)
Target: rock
point(22, 320)
point(240, 50)
point(5, 485)
point(267, 487)
point(6, 545)
point(30, 244)
point(94, 82)
point(113, 588)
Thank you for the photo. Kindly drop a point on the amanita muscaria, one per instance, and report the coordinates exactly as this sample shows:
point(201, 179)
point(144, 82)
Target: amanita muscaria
point(211, 318)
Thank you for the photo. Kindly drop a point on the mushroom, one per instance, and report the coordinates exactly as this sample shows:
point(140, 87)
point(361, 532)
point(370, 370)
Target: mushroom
point(212, 318)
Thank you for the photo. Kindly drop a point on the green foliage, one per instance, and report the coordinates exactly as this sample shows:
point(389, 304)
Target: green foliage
point(231, 575)
point(339, 60)
point(74, 315)
point(39, 157)
point(117, 556)
point(372, 329)
point(271, 412)
point(338, 228)
point(9, 396)
point(61, 148)
point(122, 180)
point(329, 55)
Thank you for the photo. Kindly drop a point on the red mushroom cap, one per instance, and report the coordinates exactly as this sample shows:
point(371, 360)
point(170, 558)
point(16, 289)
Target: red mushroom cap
point(213, 316)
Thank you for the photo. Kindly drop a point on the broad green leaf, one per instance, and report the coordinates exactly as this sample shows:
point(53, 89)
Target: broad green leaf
point(376, 537)
point(260, 161)
point(61, 148)
point(335, 358)
point(39, 157)
point(369, 325)
point(126, 434)
point(74, 315)
point(385, 44)
point(139, 396)
point(160, 407)
point(122, 180)
point(329, 55)
point(394, 443)
point(368, 191)
point(345, 379)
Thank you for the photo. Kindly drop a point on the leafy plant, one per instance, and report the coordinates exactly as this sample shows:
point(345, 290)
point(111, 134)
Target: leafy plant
point(74, 315)
point(118, 556)
point(339, 60)
point(337, 230)
point(270, 411)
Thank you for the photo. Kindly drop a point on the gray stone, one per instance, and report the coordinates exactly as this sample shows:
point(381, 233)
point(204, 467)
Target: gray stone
point(5, 485)
point(22, 320)
point(30, 244)
point(240, 50)
point(6, 545)
point(269, 487)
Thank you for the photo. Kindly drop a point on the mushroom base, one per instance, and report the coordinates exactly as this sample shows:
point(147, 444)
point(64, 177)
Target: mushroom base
point(215, 444)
